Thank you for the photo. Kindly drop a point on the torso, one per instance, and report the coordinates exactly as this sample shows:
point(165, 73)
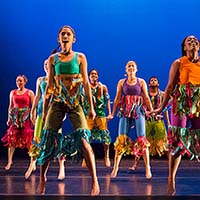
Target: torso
point(189, 72)
point(21, 100)
point(133, 89)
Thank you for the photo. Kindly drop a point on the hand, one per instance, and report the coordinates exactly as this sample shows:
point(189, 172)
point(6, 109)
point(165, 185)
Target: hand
point(8, 122)
point(92, 114)
point(109, 117)
point(33, 117)
point(155, 112)
point(44, 116)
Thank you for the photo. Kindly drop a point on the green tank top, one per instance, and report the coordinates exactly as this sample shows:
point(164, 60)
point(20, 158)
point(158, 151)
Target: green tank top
point(71, 67)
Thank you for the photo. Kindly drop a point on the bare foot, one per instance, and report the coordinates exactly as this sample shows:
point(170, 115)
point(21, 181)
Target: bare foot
point(32, 167)
point(83, 165)
point(41, 186)
point(8, 166)
point(148, 173)
point(114, 172)
point(107, 162)
point(171, 187)
point(95, 189)
point(133, 168)
point(61, 174)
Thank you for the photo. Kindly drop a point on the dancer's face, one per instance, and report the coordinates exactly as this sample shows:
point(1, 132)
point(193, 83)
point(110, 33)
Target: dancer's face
point(93, 76)
point(153, 82)
point(20, 82)
point(191, 43)
point(66, 37)
point(131, 67)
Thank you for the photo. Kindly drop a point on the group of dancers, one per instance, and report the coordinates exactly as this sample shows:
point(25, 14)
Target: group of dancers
point(35, 120)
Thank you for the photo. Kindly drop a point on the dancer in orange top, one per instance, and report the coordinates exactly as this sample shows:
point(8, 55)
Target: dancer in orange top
point(184, 86)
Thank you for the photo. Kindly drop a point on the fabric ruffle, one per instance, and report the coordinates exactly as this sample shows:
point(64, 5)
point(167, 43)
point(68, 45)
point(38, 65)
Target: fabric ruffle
point(34, 150)
point(158, 146)
point(72, 143)
point(129, 106)
point(18, 137)
point(103, 136)
point(54, 144)
point(186, 100)
point(123, 145)
point(184, 141)
point(51, 143)
point(139, 146)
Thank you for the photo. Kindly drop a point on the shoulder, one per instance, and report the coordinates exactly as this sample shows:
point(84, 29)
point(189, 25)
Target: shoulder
point(12, 92)
point(141, 81)
point(40, 78)
point(162, 93)
point(81, 57)
point(121, 82)
point(177, 62)
point(51, 58)
point(103, 85)
point(30, 92)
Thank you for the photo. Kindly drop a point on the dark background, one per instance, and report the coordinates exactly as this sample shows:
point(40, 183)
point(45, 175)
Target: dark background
point(109, 32)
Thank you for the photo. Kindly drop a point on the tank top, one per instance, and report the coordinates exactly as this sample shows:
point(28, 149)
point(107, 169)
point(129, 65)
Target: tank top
point(132, 89)
point(21, 100)
point(70, 67)
point(189, 72)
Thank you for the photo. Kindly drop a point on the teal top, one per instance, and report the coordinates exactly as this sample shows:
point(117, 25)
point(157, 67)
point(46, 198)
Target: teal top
point(71, 67)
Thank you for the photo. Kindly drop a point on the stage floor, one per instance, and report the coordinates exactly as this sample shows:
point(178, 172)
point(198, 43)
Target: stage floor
point(78, 182)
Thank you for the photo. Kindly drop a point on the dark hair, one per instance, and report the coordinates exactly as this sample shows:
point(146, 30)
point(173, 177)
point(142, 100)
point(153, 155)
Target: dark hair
point(55, 50)
point(67, 26)
point(93, 70)
point(24, 77)
point(183, 45)
point(153, 77)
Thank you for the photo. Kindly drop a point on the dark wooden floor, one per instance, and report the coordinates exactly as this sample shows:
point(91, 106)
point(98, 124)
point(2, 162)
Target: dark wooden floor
point(77, 181)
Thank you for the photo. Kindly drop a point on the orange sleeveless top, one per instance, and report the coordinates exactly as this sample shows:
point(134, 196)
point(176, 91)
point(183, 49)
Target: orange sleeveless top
point(189, 72)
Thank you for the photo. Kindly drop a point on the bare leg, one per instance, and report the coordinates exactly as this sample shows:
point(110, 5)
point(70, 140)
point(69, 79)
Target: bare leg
point(32, 167)
point(43, 178)
point(174, 162)
point(107, 157)
point(90, 162)
point(147, 164)
point(61, 174)
point(83, 164)
point(135, 164)
point(11, 151)
point(116, 164)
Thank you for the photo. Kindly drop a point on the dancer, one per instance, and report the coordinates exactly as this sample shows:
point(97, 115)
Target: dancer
point(36, 110)
point(156, 131)
point(184, 87)
point(20, 131)
point(98, 126)
point(130, 97)
point(67, 73)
